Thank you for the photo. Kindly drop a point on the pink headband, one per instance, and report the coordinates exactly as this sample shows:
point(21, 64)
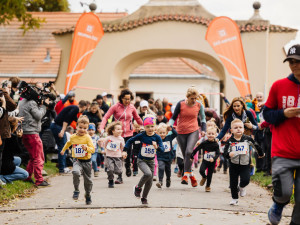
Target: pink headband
point(149, 121)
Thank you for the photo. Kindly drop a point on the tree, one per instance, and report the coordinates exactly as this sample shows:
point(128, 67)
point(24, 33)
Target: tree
point(10, 9)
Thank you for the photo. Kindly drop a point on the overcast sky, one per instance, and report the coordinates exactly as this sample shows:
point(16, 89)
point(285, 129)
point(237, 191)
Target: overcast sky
point(279, 12)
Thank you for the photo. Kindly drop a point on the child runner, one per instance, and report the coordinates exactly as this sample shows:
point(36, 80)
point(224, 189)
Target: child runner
point(165, 158)
point(114, 144)
point(95, 139)
point(237, 150)
point(150, 143)
point(82, 150)
point(211, 153)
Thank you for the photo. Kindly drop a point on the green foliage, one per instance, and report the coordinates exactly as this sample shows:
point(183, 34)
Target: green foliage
point(47, 5)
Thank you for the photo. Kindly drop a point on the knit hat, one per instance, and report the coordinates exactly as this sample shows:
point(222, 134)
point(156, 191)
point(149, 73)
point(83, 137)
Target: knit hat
point(149, 120)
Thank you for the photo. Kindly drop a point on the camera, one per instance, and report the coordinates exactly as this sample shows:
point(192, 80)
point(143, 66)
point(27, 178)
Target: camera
point(47, 86)
point(30, 93)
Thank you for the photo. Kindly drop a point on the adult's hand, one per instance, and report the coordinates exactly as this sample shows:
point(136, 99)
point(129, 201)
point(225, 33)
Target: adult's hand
point(249, 125)
point(291, 112)
point(61, 134)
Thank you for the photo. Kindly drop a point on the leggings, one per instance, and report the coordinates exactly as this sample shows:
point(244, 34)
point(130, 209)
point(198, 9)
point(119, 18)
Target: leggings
point(187, 143)
point(147, 167)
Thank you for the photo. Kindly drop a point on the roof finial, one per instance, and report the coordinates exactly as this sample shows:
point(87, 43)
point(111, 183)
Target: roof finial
point(256, 15)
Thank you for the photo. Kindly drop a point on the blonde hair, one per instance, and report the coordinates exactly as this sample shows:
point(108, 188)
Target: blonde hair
point(212, 120)
point(192, 91)
point(214, 129)
point(83, 119)
point(111, 127)
point(236, 120)
point(162, 126)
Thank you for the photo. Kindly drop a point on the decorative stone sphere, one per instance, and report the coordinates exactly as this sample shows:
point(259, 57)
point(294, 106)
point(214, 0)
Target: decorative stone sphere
point(93, 6)
point(256, 5)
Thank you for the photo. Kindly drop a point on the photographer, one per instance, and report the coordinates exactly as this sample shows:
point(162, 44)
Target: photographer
point(32, 108)
point(6, 105)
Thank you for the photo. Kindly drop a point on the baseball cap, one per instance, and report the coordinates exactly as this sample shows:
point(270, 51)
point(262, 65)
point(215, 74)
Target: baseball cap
point(104, 94)
point(92, 126)
point(293, 53)
point(149, 120)
point(143, 103)
point(99, 97)
point(71, 94)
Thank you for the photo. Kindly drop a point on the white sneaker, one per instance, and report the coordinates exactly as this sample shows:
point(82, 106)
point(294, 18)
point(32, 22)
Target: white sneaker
point(234, 202)
point(2, 183)
point(154, 178)
point(67, 170)
point(243, 192)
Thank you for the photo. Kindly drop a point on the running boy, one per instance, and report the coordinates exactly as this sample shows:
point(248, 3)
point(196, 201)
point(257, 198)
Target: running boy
point(82, 150)
point(114, 144)
point(95, 139)
point(150, 143)
point(211, 153)
point(165, 158)
point(237, 150)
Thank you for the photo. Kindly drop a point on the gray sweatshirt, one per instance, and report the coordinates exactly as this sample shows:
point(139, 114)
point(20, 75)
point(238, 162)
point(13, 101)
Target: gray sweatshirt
point(32, 114)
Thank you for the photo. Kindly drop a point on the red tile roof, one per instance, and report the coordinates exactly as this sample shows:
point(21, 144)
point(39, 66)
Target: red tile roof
point(174, 66)
point(24, 55)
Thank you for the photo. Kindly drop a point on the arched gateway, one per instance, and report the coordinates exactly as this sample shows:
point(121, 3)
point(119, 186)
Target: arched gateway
point(166, 28)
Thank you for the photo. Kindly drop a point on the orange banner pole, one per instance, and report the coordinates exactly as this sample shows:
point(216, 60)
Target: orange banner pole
point(223, 35)
point(87, 34)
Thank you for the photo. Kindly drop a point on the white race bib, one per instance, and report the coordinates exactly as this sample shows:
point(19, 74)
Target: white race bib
point(113, 146)
point(137, 142)
point(148, 151)
point(241, 148)
point(78, 151)
point(167, 146)
point(209, 155)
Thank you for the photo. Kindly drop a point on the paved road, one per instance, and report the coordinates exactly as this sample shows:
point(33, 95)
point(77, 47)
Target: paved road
point(180, 204)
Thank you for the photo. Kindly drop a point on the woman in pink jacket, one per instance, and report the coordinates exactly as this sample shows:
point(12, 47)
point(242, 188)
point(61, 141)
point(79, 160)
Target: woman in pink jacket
point(124, 112)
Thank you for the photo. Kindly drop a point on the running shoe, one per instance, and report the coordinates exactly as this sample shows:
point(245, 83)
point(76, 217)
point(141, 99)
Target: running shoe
point(168, 183)
point(275, 213)
point(207, 189)
point(111, 184)
point(184, 180)
point(144, 201)
point(234, 202)
point(202, 181)
point(193, 181)
point(96, 174)
point(137, 191)
point(119, 180)
point(128, 172)
point(88, 199)
point(154, 178)
point(76, 195)
point(159, 184)
point(176, 169)
point(243, 192)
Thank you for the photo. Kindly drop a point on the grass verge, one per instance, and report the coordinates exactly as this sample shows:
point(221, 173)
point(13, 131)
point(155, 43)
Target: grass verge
point(21, 189)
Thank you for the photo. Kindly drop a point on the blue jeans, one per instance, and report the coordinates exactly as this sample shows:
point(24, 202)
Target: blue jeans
point(94, 162)
point(60, 145)
point(18, 174)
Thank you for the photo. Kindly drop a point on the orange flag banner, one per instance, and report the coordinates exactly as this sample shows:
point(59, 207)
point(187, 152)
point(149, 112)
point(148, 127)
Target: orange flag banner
point(223, 35)
point(88, 32)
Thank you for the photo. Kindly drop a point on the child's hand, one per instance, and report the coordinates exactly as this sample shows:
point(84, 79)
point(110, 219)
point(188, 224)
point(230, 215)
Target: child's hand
point(202, 133)
point(169, 128)
point(231, 154)
point(154, 144)
point(198, 142)
point(62, 153)
point(211, 160)
point(124, 155)
point(84, 147)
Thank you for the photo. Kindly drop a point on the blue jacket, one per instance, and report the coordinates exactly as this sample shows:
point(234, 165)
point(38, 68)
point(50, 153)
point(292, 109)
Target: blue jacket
point(167, 142)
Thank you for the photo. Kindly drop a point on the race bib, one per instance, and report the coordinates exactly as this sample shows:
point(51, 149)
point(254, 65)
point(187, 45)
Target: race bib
point(167, 146)
point(137, 142)
point(113, 146)
point(241, 148)
point(209, 155)
point(78, 151)
point(148, 151)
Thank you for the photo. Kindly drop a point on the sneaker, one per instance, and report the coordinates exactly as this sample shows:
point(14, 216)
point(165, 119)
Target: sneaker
point(234, 202)
point(179, 174)
point(2, 183)
point(105, 169)
point(88, 199)
point(135, 173)
point(67, 170)
point(144, 201)
point(43, 184)
point(202, 182)
point(243, 192)
point(96, 174)
point(176, 169)
point(44, 173)
point(218, 169)
point(128, 172)
point(184, 180)
point(76, 195)
point(193, 181)
point(196, 165)
point(207, 189)
point(168, 183)
point(159, 184)
point(137, 191)
point(225, 171)
point(154, 178)
point(111, 184)
point(119, 180)
point(275, 213)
